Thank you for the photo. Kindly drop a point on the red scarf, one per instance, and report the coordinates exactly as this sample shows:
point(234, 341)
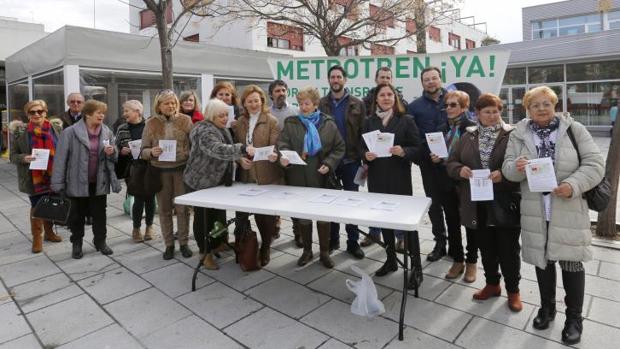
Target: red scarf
point(42, 137)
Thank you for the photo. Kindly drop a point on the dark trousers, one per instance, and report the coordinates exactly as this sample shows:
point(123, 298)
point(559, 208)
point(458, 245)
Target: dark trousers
point(204, 221)
point(449, 201)
point(435, 212)
point(346, 173)
point(143, 203)
point(499, 247)
point(471, 256)
point(93, 206)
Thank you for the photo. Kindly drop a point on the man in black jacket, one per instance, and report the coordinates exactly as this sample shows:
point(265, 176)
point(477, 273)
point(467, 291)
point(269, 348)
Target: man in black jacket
point(75, 101)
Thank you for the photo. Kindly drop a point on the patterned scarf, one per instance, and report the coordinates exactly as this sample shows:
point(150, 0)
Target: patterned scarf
point(454, 133)
point(486, 140)
point(546, 148)
point(42, 137)
point(385, 116)
point(312, 141)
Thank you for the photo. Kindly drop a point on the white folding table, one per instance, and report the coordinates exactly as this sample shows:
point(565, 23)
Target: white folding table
point(359, 208)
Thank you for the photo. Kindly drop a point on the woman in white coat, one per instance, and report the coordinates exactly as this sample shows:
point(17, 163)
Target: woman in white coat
point(555, 226)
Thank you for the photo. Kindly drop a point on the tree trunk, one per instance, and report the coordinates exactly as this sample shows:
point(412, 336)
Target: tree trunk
point(606, 225)
point(166, 51)
point(420, 21)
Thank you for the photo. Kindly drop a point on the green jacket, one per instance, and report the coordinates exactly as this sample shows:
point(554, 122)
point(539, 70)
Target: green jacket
point(332, 151)
point(20, 148)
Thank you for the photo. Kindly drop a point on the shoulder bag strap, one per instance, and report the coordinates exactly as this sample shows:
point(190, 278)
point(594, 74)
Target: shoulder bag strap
point(572, 140)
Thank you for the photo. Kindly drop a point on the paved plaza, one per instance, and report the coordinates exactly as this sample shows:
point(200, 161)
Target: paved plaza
point(135, 299)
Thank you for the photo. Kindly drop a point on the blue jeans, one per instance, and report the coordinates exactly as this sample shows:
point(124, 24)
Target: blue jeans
point(346, 173)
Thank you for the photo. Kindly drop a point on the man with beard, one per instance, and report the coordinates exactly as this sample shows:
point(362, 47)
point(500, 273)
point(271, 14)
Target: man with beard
point(349, 113)
point(429, 113)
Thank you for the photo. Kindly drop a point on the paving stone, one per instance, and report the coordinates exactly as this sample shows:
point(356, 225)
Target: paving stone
point(61, 251)
point(482, 333)
point(146, 312)
point(231, 274)
point(13, 323)
point(123, 245)
point(68, 320)
point(610, 271)
point(46, 291)
point(267, 329)
point(113, 284)
point(109, 337)
point(343, 263)
point(191, 332)
point(334, 285)
point(286, 267)
point(27, 270)
point(24, 342)
point(143, 260)
point(287, 297)
point(287, 245)
point(334, 344)
point(431, 286)
point(5, 295)
point(219, 304)
point(530, 294)
point(335, 319)
point(441, 321)
point(176, 279)
point(600, 287)
point(605, 311)
point(87, 266)
point(495, 309)
point(592, 267)
point(413, 338)
point(606, 254)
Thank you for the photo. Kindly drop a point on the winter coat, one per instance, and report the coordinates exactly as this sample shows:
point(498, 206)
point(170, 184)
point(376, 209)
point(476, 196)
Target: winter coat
point(467, 153)
point(21, 147)
point(71, 163)
point(212, 153)
point(428, 114)
point(392, 175)
point(159, 127)
point(332, 151)
point(568, 237)
point(67, 120)
point(355, 114)
point(266, 133)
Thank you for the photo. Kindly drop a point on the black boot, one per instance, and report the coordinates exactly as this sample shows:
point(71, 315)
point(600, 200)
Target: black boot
point(438, 251)
point(574, 285)
point(103, 248)
point(416, 277)
point(306, 238)
point(390, 264)
point(169, 252)
point(76, 252)
point(546, 286)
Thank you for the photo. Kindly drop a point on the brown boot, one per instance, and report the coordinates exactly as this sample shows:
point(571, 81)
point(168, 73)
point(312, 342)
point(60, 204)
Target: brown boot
point(455, 270)
point(470, 272)
point(37, 238)
point(296, 232)
point(514, 302)
point(210, 263)
point(149, 233)
point(324, 236)
point(50, 235)
point(136, 236)
point(305, 232)
point(487, 292)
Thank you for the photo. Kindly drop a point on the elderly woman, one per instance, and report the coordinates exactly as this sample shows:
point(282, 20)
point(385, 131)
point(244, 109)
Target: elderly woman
point(190, 106)
point(392, 175)
point(38, 133)
point(211, 164)
point(457, 104)
point(315, 137)
point(494, 224)
point(127, 132)
point(168, 124)
point(258, 128)
point(226, 92)
point(556, 224)
point(84, 170)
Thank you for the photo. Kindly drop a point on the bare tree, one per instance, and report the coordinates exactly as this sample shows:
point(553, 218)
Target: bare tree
point(606, 224)
point(338, 24)
point(489, 40)
point(169, 34)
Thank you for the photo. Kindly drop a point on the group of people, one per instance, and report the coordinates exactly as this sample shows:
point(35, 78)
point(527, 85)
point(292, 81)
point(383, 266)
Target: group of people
point(326, 132)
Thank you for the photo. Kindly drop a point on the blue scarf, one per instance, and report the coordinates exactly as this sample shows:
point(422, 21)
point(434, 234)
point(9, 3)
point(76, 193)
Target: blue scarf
point(312, 141)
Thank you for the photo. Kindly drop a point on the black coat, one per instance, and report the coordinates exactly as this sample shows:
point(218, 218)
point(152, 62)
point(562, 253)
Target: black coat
point(393, 175)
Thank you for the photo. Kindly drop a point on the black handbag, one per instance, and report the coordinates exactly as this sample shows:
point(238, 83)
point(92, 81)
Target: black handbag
point(333, 182)
point(122, 167)
point(53, 208)
point(597, 197)
point(505, 210)
point(144, 179)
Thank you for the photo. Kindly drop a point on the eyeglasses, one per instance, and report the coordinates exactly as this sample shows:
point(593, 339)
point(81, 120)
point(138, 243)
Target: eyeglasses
point(543, 105)
point(76, 102)
point(452, 105)
point(34, 112)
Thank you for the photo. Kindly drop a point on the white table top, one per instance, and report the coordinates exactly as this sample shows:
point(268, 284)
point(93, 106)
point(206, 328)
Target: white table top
point(290, 201)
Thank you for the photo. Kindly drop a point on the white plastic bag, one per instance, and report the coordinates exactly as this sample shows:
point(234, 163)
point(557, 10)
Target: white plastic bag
point(366, 302)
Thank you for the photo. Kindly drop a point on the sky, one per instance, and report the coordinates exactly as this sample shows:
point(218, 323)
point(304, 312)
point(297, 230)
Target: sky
point(503, 17)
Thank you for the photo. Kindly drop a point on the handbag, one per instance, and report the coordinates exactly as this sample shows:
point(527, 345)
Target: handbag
point(333, 182)
point(246, 248)
point(122, 166)
point(597, 197)
point(505, 210)
point(53, 208)
point(144, 179)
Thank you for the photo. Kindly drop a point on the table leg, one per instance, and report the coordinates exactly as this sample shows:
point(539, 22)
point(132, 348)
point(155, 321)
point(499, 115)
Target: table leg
point(403, 302)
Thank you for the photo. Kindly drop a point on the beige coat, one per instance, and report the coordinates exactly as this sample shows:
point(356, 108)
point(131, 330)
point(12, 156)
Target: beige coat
point(175, 128)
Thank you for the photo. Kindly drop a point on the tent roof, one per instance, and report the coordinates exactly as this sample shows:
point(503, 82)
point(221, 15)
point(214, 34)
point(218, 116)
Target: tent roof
point(114, 50)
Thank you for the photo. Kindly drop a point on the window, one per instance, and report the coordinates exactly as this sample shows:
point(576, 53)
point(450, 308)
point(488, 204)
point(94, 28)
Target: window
point(470, 44)
point(192, 38)
point(50, 88)
point(379, 50)
point(514, 76)
point(551, 28)
point(383, 18)
point(410, 26)
point(543, 75)
point(17, 96)
point(349, 50)
point(613, 19)
point(589, 103)
point(593, 71)
point(454, 41)
point(434, 33)
point(147, 17)
point(285, 36)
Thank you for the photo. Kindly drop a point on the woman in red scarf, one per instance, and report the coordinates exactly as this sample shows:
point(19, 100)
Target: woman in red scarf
point(38, 133)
